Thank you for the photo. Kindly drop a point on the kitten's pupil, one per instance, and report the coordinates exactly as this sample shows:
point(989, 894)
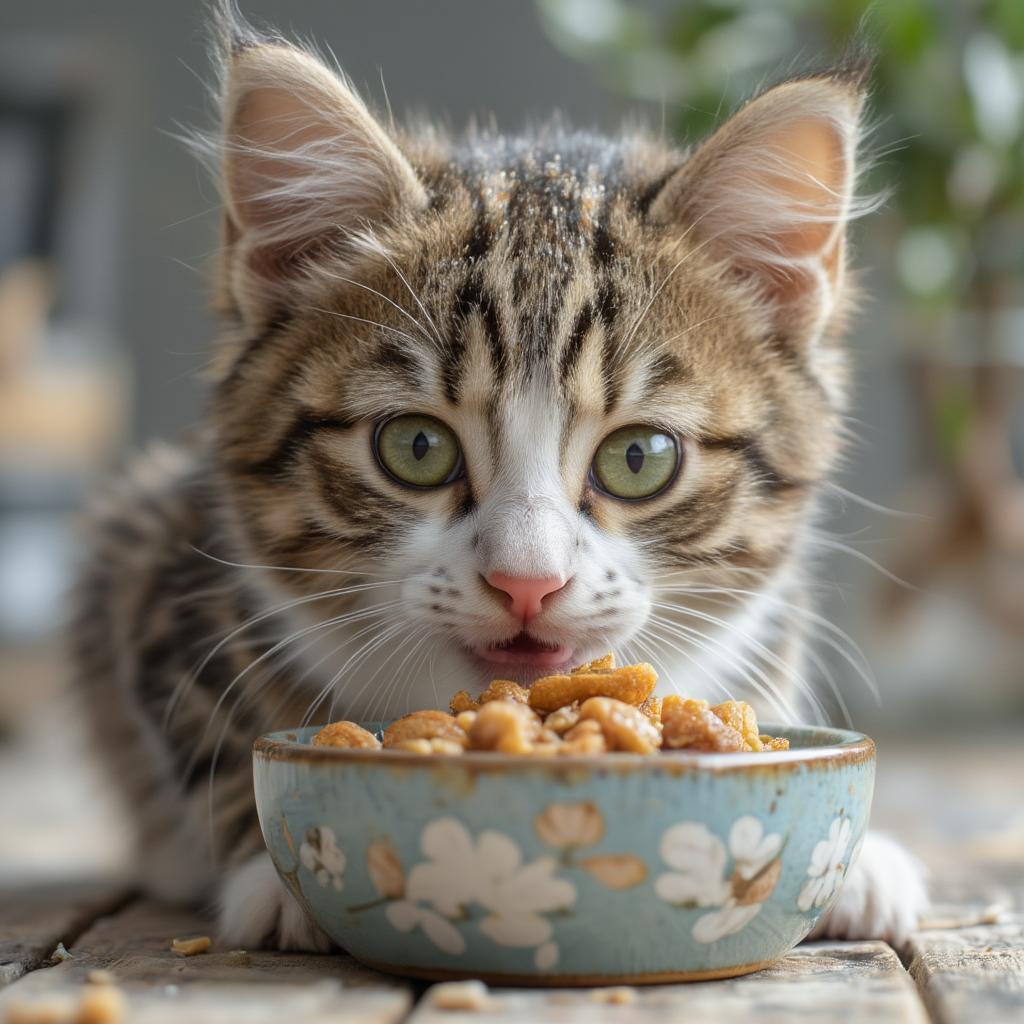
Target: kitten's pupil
point(420, 446)
point(635, 457)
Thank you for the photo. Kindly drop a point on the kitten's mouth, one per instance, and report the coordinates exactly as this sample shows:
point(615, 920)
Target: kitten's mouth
point(524, 649)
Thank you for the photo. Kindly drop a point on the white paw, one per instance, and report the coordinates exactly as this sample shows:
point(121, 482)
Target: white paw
point(256, 910)
point(883, 897)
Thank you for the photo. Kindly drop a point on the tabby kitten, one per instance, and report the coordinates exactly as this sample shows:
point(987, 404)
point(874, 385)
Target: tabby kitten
point(485, 406)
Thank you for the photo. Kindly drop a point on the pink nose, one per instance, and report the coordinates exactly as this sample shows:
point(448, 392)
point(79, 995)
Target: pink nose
point(527, 594)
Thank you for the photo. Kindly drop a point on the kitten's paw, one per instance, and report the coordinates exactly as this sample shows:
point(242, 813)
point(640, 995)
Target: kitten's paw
point(883, 896)
point(256, 910)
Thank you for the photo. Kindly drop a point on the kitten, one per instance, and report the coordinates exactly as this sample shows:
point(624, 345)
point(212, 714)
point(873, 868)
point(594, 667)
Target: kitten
point(486, 406)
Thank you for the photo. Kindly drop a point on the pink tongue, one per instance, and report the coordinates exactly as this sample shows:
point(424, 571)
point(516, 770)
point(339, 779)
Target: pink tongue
point(525, 649)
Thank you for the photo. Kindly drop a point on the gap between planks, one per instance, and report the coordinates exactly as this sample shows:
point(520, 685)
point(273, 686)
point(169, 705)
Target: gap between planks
point(818, 982)
point(964, 975)
point(31, 924)
point(212, 988)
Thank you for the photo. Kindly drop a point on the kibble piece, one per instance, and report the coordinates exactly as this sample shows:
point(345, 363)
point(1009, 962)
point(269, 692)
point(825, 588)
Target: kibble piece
point(691, 724)
point(416, 746)
point(505, 726)
point(447, 747)
point(625, 727)
point(346, 734)
point(652, 709)
point(424, 725)
point(100, 1004)
point(460, 995)
point(741, 717)
point(605, 664)
point(546, 748)
point(504, 689)
point(617, 995)
point(60, 954)
point(465, 720)
point(421, 745)
point(631, 684)
point(462, 702)
point(48, 1010)
point(774, 743)
point(563, 719)
point(587, 737)
point(191, 947)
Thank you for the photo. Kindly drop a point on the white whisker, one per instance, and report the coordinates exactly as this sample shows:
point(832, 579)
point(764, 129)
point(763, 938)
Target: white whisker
point(186, 683)
point(759, 681)
point(788, 671)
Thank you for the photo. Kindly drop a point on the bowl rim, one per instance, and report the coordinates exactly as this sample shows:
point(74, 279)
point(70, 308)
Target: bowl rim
point(850, 748)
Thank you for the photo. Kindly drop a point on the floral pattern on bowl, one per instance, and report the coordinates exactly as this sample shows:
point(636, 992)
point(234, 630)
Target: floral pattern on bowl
point(576, 871)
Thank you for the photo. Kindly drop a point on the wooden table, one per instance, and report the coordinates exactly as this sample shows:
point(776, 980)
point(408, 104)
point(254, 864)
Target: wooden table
point(963, 813)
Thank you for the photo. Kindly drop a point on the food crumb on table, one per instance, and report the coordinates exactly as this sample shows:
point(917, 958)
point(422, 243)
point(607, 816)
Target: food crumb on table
point(100, 1004)
point(51, 1010)
point(60, 954)
point(461, 995)
point(191, 947)
point(617, 995)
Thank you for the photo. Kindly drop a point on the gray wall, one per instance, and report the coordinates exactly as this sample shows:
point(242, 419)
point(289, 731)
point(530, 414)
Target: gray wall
point(151, 245)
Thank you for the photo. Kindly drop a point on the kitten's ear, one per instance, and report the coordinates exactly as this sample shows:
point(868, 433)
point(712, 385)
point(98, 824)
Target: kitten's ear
point(304, 166)
point(771, 191)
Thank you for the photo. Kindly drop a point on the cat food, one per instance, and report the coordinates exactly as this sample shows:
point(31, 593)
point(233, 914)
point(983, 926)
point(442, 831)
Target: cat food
point(423, 725)
point(499, 689)
point(346, 734)
point(692, 724)
point(625, 727)
point(98, 1003)
point(461, 995)
point(631, 684)
point(595, 708)
point(191, 947)
point(507, 726)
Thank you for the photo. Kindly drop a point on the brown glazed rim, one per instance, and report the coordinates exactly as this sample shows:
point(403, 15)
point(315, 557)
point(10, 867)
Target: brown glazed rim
point(569, 980)
point(852, 748)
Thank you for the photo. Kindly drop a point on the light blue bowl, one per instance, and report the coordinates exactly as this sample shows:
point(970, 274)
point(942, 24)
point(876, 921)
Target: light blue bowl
point(620, 869)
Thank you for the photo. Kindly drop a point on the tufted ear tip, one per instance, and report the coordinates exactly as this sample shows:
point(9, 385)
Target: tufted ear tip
point(772, 190)
point(304, 164)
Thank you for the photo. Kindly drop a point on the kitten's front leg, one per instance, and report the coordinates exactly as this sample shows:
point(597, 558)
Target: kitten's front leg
point(256, 910)
point(883, 896)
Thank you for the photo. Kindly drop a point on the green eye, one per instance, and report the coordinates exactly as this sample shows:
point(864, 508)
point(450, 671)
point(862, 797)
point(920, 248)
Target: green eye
point(418, 450)
point(636, 462)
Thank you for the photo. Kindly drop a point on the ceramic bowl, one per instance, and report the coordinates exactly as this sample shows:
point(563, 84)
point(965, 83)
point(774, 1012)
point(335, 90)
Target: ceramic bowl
point(620, 869)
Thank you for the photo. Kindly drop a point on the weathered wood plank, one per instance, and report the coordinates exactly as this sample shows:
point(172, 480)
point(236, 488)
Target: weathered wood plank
point(222, 985)
point(971, 974)
point(819, 983)
point(31, 924)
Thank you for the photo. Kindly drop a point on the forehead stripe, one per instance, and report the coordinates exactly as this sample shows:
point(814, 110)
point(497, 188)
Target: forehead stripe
point(574, 346)
point(602, 246)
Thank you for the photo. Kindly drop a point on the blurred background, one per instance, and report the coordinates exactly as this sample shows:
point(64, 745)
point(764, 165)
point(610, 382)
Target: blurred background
point(107, 225)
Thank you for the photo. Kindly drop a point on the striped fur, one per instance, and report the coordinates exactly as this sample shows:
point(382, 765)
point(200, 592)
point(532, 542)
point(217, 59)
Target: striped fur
point(535, 293)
